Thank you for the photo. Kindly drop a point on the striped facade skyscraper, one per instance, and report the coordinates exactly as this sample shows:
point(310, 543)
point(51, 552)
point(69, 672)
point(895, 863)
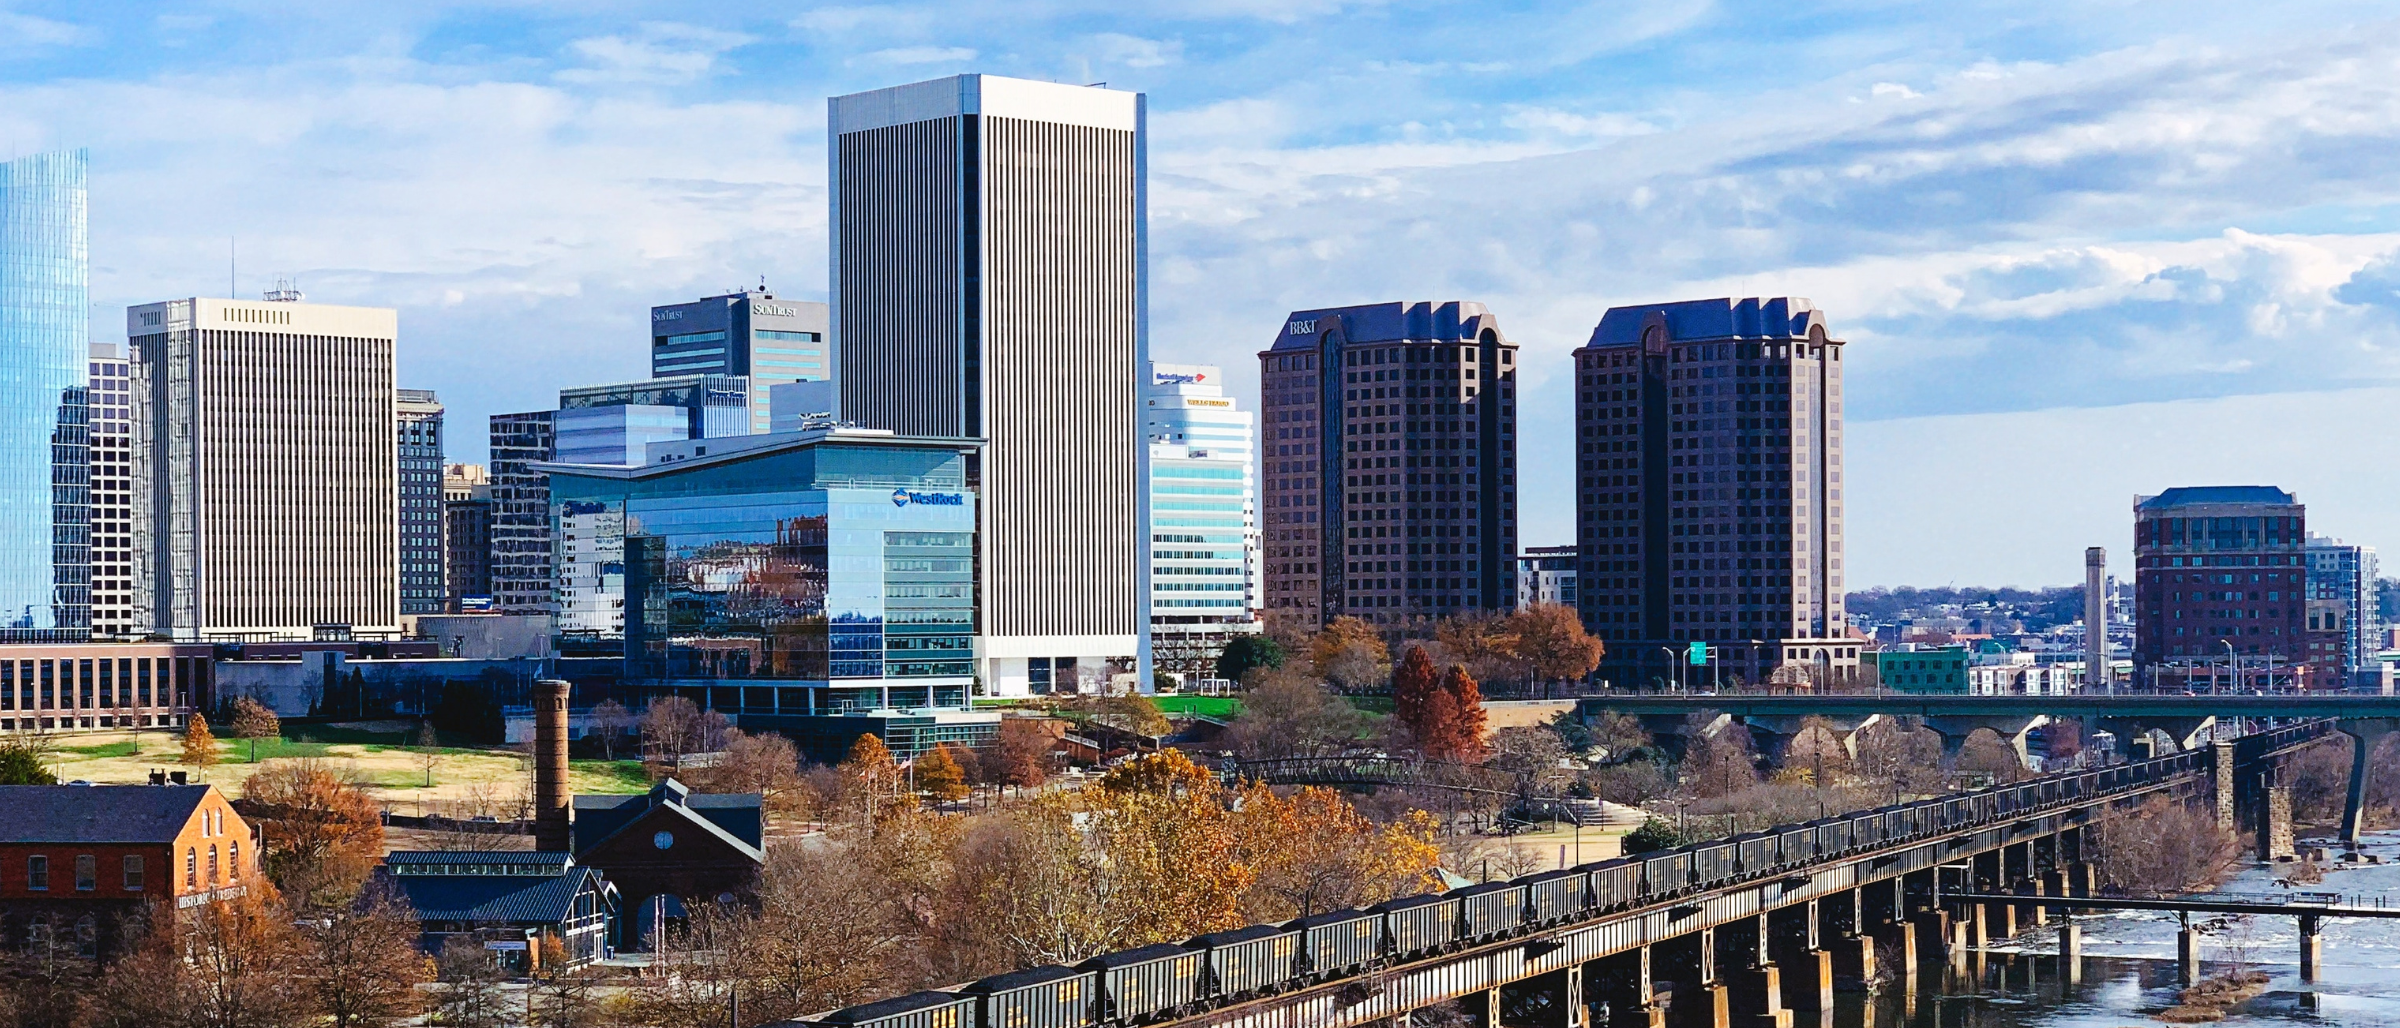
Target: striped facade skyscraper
point(1709, 492)
point(989, 281)
point(1390, 460)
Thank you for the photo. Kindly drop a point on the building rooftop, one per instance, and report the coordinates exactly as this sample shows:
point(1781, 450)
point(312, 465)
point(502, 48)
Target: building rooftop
point(74, 814)
point(493, 899)
point(2196, 495)
point(1419, 320)
point(1781, 317)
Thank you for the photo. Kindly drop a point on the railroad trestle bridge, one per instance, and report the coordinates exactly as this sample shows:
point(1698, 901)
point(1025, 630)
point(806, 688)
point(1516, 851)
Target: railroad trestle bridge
point(1742, 930)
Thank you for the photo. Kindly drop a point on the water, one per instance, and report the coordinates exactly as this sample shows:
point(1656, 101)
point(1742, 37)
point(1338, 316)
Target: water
point(2129, 972)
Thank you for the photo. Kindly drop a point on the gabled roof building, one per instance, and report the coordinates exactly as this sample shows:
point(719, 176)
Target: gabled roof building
point(668, 846)
point(513, 901)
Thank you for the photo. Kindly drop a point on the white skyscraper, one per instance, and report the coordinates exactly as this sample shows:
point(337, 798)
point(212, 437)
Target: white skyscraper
point(1203, 518)
point(989, 281)
point(268, 503)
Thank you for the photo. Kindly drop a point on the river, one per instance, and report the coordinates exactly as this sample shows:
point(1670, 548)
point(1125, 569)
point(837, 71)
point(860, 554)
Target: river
point(2129, 972)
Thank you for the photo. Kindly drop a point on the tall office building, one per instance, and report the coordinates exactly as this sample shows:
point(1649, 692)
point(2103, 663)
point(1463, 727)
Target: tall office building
point(110, 409)
point(750, 334)
point(45, 448)
point(420, 439)
point(2345, 615)
point(522, 548)
point(466, 538)
point(1203, 518)
point(989, 281)
point(268, 503)
point(2219, 572)
point(1390, 463)
point(1708, 477)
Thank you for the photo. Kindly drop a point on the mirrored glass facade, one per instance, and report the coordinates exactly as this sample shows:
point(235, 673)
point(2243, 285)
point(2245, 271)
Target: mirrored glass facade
point(787, 575)
point(45, 446)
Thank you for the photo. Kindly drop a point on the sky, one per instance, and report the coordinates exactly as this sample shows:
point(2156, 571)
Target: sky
point(2079, 252)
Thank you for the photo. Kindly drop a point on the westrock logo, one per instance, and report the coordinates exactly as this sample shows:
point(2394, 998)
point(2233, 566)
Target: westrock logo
point(902, 498)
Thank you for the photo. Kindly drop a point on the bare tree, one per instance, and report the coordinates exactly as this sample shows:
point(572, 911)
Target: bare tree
point(609, 720)
point(2163, 847)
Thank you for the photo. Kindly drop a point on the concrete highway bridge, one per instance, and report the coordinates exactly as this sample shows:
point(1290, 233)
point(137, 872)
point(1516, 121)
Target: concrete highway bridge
point(2143, 720)
point(1753, 951)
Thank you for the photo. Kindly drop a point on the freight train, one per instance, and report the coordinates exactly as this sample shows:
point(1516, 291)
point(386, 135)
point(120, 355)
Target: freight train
point(1169, 980)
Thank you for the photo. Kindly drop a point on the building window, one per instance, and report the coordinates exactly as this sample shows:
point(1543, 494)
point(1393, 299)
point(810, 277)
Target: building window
point(133, 873)
point(191, 866)
point(87, 872)
point(233, 859)
point(212, 863)
point(37, 872)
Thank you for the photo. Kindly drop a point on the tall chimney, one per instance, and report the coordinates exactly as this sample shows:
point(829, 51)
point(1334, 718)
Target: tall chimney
point(551, 812)
point(2095, 620)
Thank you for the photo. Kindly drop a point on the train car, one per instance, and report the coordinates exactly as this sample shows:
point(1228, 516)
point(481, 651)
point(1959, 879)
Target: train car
point(1795, 844)
point(1490, 910)
point(1050, 996)
point(1666, 874)
point(1754, 853)
point(1244, 962)
point(1866, 831)
point(1616, 884)
point(1336, 942)
point(1553, 897)
point(915, 1010)
point(1141, 984)
point(1714, 863)
point(1833, 835)
point(1417, 925)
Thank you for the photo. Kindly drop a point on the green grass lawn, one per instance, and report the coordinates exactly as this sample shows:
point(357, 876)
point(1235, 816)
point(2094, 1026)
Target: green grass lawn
point(609, 776)
point(1222, 708)
point(240, 751)
point(124, 748)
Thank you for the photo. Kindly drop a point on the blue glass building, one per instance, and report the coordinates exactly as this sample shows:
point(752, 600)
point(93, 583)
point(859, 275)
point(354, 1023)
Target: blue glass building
point(45, 445)
point(817, 583)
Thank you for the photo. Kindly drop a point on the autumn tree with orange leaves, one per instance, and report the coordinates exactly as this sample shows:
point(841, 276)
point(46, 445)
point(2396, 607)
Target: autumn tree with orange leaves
point(1457, 735)
point(323, 834)
point(1312, 852)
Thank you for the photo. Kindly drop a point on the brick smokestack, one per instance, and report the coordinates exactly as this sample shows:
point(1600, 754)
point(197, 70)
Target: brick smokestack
point(551, 813)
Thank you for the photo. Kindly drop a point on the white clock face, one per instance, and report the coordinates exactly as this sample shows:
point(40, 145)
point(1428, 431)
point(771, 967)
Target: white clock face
point(663, 840)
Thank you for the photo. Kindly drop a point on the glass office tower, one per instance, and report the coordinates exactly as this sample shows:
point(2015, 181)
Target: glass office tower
point(45, 448)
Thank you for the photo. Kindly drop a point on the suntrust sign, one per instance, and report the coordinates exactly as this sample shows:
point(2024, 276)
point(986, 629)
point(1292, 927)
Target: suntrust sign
point(902, 498)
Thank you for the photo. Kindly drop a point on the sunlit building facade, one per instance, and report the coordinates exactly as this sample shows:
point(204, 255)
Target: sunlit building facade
point(1203, 518)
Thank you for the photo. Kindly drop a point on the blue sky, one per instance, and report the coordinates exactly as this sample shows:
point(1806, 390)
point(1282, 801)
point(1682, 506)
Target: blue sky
point(2080, 251)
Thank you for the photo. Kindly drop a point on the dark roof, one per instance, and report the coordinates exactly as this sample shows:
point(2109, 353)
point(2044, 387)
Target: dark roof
point(476, 857)
point(492, 899)
point(97, 813)
point(1411, 902)
point(889, 1007)
point(1020, 979)
point(739, 816)
point(1779, 317)
point(1326, 918)
point(1417, 321)
point(1234, 935)
point(2190, 495)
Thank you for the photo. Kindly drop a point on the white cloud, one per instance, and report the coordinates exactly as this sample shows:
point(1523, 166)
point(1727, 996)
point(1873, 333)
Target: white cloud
point(664, 53)
point(1134, 51)
point(871, 18)
point(1892, 91)
point(24, 32)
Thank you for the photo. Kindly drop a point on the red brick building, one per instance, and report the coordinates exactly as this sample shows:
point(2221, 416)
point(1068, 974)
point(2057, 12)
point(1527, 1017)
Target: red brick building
point(74, 687)
point(76, 859)
point(669, 849)
point(2220, 578)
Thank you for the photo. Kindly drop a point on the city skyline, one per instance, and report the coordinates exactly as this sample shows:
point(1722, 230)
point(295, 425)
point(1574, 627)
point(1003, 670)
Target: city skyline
point(2033, 309)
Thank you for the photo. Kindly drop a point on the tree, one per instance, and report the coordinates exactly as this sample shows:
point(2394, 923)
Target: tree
point(254, 720)
point(1165, 771)
point(561, 996)
point(1246, 653)
point(2164, 847)
point(428, 749)
point(1532, 752)
point(1654, 834)
point(1133, 713)
point(1458, 735)
point(939, 776)
point(1550, 640)
point(1020, 755)
point(1414, 684)
point(21, 763)
point(1899, 757)
point(1313, 852)
point(609, 720)
point(1290, 714)
point(766, 763)
point(363, 966)
point(322, 833)
point(199, 747)
point(242, 961)
point(1719, 756)
point(472, 993)
point(673, 727)
point(1350, 654)
point(872, 771)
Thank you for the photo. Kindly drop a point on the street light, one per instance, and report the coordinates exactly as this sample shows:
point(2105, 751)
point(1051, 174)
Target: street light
point(1672, 676)
point(2233, 658)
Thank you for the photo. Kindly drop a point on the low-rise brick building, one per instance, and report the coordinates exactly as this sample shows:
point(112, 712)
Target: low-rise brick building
point(668, 848)
point(77, 860)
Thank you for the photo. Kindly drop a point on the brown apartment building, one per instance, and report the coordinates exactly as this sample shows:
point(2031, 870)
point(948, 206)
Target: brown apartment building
point(76, 860)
